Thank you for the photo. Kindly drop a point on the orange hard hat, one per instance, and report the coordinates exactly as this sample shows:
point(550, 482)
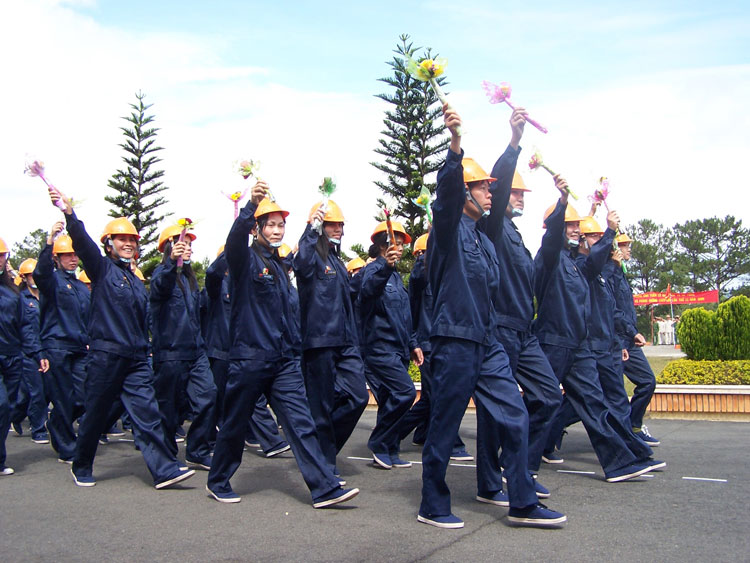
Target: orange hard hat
point(590, 226)
point(571, 215)
point(63, 245)
point(83, 277)
point(27, 266)
point(622, 238)
point(267, 206)
point(397, 228)
point(18, 280)
point(139, 275)
point(333, 214)
point(221, 249)
point(284, 250)
point(420, 245)
point(475, 173)
point(119, 226)
point(170, 232)
point(355, 264)
point(518, 183)
point(3, 247)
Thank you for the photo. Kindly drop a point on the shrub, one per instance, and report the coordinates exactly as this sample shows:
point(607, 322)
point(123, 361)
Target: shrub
point(698, 334)
point(733, 323)
point(414, 372)
point(692, 372)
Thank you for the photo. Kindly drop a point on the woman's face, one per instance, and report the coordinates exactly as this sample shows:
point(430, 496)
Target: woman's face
point(333, 230)
point(273, 230)
point(124, 246)
point(3, 261)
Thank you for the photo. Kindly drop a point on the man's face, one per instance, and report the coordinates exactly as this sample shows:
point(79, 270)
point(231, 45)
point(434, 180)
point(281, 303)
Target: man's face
point(515, 202)
point(573, 230)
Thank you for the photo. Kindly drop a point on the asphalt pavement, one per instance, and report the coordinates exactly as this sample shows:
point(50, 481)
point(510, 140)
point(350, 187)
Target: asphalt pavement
point(693, 511)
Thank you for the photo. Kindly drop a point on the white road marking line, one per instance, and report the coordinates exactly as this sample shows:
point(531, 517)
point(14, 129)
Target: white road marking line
point(577, 472)
point(704, 479)
point(413, 462)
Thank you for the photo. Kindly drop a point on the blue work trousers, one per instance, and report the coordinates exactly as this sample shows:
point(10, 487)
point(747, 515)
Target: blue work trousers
point(337, 394)
point(460, 369)
point(11, 373)
point(32, 401)
point(282, 383)
point(262, 426)
point(65, 386)
point(109, 377)
point(638, 370)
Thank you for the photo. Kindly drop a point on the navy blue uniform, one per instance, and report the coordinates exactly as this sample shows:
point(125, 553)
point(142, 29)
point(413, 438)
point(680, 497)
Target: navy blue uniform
point(331, 364)
point(117, 365)
point(515, 312)
point(180, 362)
point(388, 341)
point(264, 359)
point(466, 356)
point(64, 308)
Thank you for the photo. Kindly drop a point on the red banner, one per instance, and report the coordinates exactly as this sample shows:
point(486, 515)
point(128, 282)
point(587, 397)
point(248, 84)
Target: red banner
point(667, 298)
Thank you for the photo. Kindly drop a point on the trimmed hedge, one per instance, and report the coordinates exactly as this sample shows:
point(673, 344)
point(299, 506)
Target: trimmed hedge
point(414, 373)
point(723, 335)
point(705, 372)
point(698, 334)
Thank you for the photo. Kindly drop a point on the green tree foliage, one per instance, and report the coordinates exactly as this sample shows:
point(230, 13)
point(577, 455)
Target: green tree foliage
point(411, 147)
point(138, 185)
point(30, 247)
point(733, 320)
point(651, 262)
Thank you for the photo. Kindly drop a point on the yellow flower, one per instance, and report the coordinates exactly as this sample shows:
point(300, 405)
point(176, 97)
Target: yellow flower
point(185, 223)
point(236, 196)
point(433, 67)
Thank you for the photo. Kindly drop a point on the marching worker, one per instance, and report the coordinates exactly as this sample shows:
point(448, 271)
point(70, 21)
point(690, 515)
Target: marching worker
point(117, 365)
point(636, 366)
point(265, 356)
point(331, 364)
point(180, 363)
point(515, 300)
point(388, 341)
point(466, 357)
point(64, 317)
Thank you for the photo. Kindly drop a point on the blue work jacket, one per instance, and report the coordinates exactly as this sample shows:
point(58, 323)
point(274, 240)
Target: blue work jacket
point(326, 310)
point(64, 306)
point(119, 302)
point(175, 315)
point(461, 264)
point(261, 324)
point(626, 323)
point(32, 343)
point(219, 309)
point(561, 288)
point(421, 303)
point(16, 326)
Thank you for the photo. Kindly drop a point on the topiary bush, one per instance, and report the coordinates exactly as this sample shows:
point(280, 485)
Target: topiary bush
point(692, 372)
point(733, 323)
point(698, 334)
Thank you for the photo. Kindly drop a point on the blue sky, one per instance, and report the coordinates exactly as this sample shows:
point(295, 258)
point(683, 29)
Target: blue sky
point(651, 94)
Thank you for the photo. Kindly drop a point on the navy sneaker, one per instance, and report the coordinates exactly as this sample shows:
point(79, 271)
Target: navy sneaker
point(336, 496)
point(68, 461)
point(40, 439)
point(541, 490)
point(628, 472)
point(451, 521)
point(382, 460)
point(417, 443)
point(204, 464)
point(227, 498)
point(114, 432)
point(461, 455)
point(536, 515)
point(552, 457)
point(646, 436)
point(500, 498)
point(252, 444)
point(103, 440)
point(284, 447)
point(398, 462)
point(654, 464)
point(17, 428)
point(180, 434)
point(177, 478)
point(83, 480)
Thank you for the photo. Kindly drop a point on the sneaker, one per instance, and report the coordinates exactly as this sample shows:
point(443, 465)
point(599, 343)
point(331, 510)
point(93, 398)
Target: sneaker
point(450, 521)
point(342, 482)
point(228, 498)
point(179, 435)
point(536, 515)
point(541, 490)
point(83, 481)
point(462, 455)
point(552, 457)
point(252, 444)
point(398, 462)
point(204, 464)
point(279, 450)
point(6, 470)
point(654, 464)
point(103, 440)
point(68, 461)
point(628, 472)
point(114, 432)
point(500, 498)
point(382, 460)
point(181, 476)
point(335, 497)
point(646, 436)
point(41, 439)
point(416, 443)
point(17, 428)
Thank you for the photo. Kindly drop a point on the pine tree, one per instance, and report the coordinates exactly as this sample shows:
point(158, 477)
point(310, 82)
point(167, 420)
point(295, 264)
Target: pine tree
point(138, 186)
point(410, 145)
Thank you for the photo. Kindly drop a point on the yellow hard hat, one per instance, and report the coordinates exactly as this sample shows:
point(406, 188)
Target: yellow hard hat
point(355, 264)
point(27, 266)
point(284, 250)
point(623, 239)
point(421, 243)
point(3, 247)
point(590, 226)
point(63, 245)
point(170, 232)
point(571, 215)
point(120, 226)
point(83, 277)
point(518, 183)
point(267, 206)
point(139, 274)
point(333, 215)
point(475, 173)
point(397, 228)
